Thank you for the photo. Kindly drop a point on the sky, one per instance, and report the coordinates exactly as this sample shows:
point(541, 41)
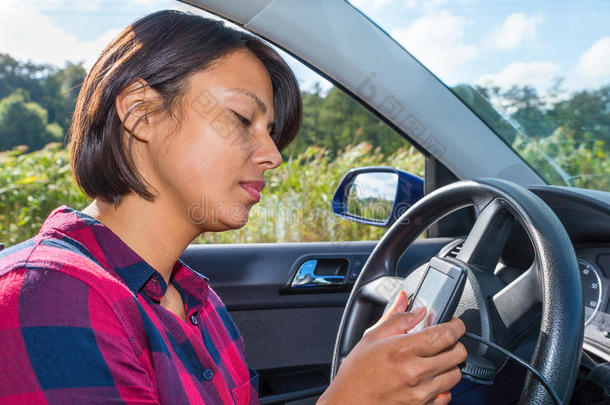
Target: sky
point(506, 42)
point(500, 42)
point(376, 185)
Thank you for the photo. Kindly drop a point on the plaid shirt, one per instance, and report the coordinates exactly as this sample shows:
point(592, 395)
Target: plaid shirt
point(80, 323)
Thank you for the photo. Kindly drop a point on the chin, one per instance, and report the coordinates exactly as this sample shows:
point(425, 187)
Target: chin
point(236, 221)
point(234, 216)
point(221, 226)
point(228, 226)
point(240, 225)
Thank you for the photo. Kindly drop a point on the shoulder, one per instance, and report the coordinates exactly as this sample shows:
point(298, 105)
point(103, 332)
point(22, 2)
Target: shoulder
point(63, 328)
point(56, 274)
point(50, 298)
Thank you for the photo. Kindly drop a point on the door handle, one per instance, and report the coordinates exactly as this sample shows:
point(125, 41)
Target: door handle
point(306, 276)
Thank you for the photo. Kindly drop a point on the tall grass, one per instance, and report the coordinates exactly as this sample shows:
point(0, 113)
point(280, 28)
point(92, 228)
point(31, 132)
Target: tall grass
point(295, 206)
point(31, 186)
point(562, 160)
point(296, 203)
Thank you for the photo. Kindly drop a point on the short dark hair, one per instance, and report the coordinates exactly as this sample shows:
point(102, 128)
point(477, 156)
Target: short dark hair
point(164, 49)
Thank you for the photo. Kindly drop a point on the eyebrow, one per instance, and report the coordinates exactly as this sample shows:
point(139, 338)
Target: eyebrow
point(259, 103)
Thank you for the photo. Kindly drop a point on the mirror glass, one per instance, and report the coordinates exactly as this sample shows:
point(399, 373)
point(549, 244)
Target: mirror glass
point(371, 195)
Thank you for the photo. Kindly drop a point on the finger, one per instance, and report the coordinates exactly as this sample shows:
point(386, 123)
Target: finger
point(438, 338)
point(398, 306)
point(439, 386)
point(399, 323)
point(434, 339)
point(430, 367)
point(441, 399)
point(401, 303)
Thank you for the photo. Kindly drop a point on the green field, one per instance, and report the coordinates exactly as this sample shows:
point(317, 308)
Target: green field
point(296, 203)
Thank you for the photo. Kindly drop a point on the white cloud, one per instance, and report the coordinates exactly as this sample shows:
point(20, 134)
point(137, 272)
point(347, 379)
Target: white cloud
point(26, 34)
point(594, 63)
point(517, 29)
point(591, 71)
point(540, 75)
point(438, 42)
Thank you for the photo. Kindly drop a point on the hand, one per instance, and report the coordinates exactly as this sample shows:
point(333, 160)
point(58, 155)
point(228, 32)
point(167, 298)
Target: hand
point(390, 367)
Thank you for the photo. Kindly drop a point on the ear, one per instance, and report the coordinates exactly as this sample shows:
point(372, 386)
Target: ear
point(133, 105)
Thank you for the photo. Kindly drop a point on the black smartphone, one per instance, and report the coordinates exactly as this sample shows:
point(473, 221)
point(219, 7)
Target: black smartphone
point(439, 291)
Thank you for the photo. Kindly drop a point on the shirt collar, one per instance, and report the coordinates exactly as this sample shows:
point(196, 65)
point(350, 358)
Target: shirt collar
point(114, 255)
point(194, 284)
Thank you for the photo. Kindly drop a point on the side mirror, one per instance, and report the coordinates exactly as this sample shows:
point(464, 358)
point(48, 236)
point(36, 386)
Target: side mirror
point(376, 195)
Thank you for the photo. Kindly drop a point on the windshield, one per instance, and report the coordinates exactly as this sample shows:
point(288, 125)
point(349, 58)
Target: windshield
point(538, 73)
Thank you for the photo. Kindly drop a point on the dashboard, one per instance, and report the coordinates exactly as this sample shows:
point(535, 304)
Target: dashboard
point(594, 266)
point(585, 215)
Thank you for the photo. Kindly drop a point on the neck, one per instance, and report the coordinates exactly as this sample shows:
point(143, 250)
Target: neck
point(158, 233)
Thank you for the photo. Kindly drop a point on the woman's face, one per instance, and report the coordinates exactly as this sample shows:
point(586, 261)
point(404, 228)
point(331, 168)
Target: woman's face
point(211, 165)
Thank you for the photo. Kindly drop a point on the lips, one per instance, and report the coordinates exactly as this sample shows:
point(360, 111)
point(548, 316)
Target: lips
point(254, 188)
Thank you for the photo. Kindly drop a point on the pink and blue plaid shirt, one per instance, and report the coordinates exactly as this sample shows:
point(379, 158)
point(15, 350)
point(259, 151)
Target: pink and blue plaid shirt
point(81, 323)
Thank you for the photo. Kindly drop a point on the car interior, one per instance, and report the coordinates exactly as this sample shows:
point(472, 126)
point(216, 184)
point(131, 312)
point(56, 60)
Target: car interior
point(536, 255)
point(302, 306)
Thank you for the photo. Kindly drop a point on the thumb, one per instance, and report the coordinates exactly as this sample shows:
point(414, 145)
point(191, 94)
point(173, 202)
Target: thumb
point(401, 303)
point(398, 323)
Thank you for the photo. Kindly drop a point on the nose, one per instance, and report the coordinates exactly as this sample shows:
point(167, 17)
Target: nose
point(267, 153)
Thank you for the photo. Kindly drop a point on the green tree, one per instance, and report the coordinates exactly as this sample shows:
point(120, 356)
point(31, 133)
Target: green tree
point(310, 123)
point(565, 137)
point(529, 111)
point(478, 99)
point(334, 120)
point(22, 75)
point(24, 122)
point(61, 89)
point(586, 112)
point(54, 89)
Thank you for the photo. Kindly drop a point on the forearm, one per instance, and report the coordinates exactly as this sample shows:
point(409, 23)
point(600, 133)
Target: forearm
point(337, 394)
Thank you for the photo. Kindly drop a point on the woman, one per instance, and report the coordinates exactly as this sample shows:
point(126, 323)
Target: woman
point(173, 130)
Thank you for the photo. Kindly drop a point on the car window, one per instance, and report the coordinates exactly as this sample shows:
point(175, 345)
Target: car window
point(337, 134)
point(44, 60)
point(538, 73)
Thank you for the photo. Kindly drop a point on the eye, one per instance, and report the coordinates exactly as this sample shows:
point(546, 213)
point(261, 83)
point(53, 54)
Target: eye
point(244, 121)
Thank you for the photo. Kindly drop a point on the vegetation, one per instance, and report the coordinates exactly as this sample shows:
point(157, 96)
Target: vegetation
point(294, 207)
point(565, 137)
point(296, 203)
point(36, 102)
point(31, 186)
point(335, 120)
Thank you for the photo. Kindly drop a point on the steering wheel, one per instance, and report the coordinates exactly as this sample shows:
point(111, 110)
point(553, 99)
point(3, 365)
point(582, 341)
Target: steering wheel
point(501, 313)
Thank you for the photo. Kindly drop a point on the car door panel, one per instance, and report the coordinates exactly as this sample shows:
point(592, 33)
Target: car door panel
point(289, 332)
